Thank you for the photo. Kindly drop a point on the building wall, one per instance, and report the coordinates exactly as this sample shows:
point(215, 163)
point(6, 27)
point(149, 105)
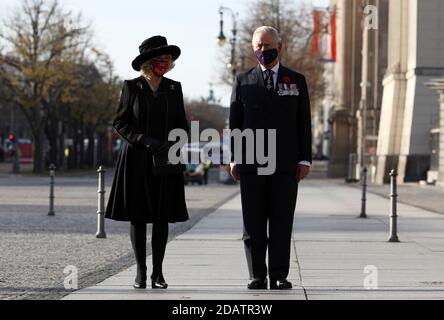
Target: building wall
point(346, 77)
point(374, 65)
point(416, 34)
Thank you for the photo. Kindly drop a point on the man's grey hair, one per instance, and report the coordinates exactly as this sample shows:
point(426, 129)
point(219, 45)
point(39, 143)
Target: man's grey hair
point(270, 30)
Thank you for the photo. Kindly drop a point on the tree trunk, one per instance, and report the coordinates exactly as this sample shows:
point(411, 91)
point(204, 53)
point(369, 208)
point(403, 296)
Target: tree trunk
point(61, 146)
point(39, 157)
point(75, 147)
point(82, 150)
point(51, 135)
point(90, 151)
point(104, 154)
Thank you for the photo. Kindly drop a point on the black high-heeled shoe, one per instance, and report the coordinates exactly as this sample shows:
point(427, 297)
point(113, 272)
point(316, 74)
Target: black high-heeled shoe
point(140, 281)
point(158, 282)
point(139, 285)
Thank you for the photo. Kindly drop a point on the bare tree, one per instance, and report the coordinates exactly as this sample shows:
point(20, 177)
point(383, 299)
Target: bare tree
point(44, 43)
point(294, 23)
point(209, 115)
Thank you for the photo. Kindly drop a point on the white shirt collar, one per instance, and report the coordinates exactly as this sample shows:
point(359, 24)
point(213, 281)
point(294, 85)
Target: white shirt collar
point(275, 68)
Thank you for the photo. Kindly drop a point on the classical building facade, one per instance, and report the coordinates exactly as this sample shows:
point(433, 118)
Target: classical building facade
point(383, 112)
point(409, 107)
point(436, 174)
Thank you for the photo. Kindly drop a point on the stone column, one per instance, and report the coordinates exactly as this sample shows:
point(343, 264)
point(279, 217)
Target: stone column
point(416, 34)
point(441, 137)
point(438, 84)
point(394, 91)
point(374, 64)
point(346, 79)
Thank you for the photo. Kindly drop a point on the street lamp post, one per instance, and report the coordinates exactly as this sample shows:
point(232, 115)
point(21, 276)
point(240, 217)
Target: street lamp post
point(221, 39)
point(364, 170)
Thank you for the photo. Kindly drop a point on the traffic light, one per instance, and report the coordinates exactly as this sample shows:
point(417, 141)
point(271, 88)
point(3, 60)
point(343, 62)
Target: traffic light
point(11, 137)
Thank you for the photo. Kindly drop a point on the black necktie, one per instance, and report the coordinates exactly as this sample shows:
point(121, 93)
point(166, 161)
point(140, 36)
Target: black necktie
point(269, 83)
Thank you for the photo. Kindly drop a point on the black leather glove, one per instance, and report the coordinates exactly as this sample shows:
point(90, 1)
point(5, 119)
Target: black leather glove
point(152, 144)
point(165, 147)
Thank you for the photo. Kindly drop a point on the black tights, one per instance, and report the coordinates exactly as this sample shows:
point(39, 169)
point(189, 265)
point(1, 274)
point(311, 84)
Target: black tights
point(159, 239)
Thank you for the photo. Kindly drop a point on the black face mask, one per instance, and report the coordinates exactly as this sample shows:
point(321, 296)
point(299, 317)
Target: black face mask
point(266, 57)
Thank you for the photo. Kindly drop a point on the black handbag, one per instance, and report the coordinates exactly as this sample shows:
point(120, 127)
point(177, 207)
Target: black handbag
point(161, 164)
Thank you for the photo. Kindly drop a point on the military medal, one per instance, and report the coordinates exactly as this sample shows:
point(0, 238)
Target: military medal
point(280, 89)
point(294, 91)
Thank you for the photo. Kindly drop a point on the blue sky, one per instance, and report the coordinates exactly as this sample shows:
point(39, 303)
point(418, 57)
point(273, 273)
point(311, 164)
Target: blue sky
point(193, 25)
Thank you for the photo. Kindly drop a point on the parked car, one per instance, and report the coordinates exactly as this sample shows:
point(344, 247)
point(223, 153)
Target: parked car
point(214, 152)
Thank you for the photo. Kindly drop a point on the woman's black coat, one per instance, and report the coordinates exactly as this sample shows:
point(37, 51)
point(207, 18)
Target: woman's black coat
point(134, 194)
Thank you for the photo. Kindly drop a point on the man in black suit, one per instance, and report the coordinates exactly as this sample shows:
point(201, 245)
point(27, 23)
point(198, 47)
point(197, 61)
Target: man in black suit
point(271, 97)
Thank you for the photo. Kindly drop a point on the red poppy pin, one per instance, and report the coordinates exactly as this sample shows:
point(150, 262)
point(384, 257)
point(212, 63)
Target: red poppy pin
point(286, 79)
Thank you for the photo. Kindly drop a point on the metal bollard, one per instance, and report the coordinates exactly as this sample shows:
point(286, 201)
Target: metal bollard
point(393, 208)
point(52, 168)
point(101, 205)
point(364, 193)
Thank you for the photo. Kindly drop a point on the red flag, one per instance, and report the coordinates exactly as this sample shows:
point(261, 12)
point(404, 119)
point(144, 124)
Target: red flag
point(316, 32)
point(333, 36)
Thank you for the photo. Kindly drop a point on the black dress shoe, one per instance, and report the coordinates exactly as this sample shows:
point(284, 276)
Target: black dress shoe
point(258, 284)
point(158, 282)
point(139, 285)
point(280, 284)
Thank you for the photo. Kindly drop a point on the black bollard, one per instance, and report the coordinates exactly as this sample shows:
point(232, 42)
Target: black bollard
point(101, 205)
point(52, 168)
point(364, 193)
point(393, 208)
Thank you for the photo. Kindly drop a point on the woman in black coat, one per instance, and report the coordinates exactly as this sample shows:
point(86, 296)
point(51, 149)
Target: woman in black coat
point(150, 107)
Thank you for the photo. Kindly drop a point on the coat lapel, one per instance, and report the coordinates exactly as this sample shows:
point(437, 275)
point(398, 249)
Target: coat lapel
point(261, 82)
point(260, 78)
point(280, 76)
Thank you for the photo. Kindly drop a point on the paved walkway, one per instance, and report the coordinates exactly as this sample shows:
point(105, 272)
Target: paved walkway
point(332, 250)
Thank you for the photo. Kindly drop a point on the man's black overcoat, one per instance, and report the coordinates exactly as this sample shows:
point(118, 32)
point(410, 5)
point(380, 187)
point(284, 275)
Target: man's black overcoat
point(252, 107)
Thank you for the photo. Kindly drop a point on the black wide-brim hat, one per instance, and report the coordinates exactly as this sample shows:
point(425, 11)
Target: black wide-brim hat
point(154, 47)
